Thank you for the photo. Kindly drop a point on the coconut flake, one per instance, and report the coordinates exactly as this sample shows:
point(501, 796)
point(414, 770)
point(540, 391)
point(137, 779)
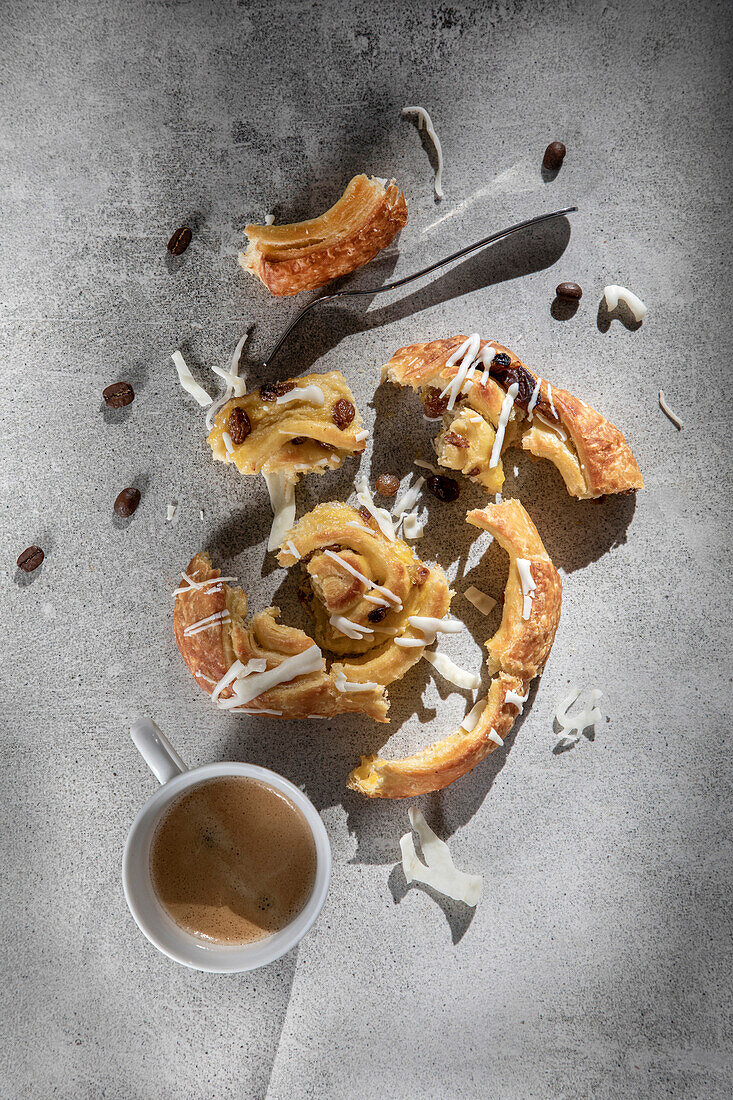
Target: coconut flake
point(451, 671)
point(282, 498)
point(228, 444)
point(669, 412)
point(615, 294)
point(471, 720)
point(412, 527)
point(480, 600)
point(424, 119)
point(269, 219)
point(528, 585)
point(439, 871)
point(170, 511)
point(362, 435)
point(188, 381)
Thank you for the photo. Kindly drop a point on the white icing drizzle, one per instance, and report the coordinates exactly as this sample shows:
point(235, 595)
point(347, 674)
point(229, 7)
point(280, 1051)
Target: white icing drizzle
point(424, 119)
point(235, 386)
point(349, 628)
point(669, 412)
point(528, 585)
point(312, 395)
point(555, 427)
point(376, 600)
point(170, 511)
point(480, 600)
point(468, 349)
point(363, 434)
point(615, 294)
point(256, 664)
point(494, 736)
point(188, 381)
point(506, 409)
point(517, 700)
point(470, 722)
point(381, 515)
point(534, 398)
point(207, 623)
point(248, 687)
point(342, 684)
point(451, 671)
point(249, 710)
point(227, 442)
point(196, 586)
point(293, 549)
point(202, 676)
point(282, 498)
point(430, 627)
point(439, 871)
point(410, 643)
point(552, 403)
point(386, 592)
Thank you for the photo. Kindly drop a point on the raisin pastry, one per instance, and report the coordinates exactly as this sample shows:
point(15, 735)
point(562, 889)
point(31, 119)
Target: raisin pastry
point(304, 255)
point(490, 401)
point(362, 590)
point(517, 653)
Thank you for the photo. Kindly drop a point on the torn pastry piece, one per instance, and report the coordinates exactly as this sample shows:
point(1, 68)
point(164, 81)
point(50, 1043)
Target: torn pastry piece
point(517, 653)
point(489, 401)
point(302, 425)
point(364, 592)
point(304, 255)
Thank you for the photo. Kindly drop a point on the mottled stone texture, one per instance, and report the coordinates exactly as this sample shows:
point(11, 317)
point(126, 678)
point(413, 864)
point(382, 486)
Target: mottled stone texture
point(598, 962)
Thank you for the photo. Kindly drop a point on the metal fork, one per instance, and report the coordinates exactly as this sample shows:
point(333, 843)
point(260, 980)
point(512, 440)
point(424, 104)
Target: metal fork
point(492, 239)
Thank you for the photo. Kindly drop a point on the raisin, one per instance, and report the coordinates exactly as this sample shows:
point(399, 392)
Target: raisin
point(444, 488)
point(506, 375)
point(270, 391)
point(421, 574)
point(501, 359)
point(238, 425)
point(433, 404)
point(342, 413)
point(297, 440)
point(387, 484)
point(474, 471)
point(377, 614)
point(365, 514)
point(456, 440)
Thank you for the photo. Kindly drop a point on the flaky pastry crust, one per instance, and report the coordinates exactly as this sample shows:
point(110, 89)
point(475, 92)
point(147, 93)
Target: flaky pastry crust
point(289, 436)
point(330, 535)
point(594, 458)
point(517, 652)
point(307, 254)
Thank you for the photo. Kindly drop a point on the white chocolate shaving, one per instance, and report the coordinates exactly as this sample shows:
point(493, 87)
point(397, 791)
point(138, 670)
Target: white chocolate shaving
point(170, 512)
point(362, 435)
point(412, 527)
point(409, 500)
point(282, 498)
point(342, 684)
point(528, 585)
point(517, 700)
point(451, 671)
point(494, 736)
point(424, 119)
point(188, 381)
point(248, 687)
point(669, 412)
point(227, 442)
point(235, 386)
point(311, 395)
point(470, 722)
point(269, 219)
point(571, 726)
point(439, 871)
point(480, 600)
point(506, 411)
point(615, 294)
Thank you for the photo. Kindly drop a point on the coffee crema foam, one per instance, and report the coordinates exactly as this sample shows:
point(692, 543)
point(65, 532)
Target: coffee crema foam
point(233, 860)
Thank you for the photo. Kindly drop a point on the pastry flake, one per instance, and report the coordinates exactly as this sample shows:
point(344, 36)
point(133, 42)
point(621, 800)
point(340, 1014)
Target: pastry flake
point(307, 254)
point(480, 423)
point(517, 653)
point(302, 425)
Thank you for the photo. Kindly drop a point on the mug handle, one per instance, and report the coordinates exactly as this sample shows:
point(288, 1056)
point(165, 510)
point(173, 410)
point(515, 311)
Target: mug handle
point(156, 750)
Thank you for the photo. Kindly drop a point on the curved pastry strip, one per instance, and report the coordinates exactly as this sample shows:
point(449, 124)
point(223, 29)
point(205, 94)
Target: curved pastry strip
point(304, 255)
point(302, 425)
point(358, 582)
point(211, 650)
point(591, 454)
point(517, 652)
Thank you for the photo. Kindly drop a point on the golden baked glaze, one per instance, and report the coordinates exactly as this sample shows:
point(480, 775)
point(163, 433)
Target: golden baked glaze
point(594, 459)
point(329, 589)
point(322, 436)
point(304, 255)
point(517, 652)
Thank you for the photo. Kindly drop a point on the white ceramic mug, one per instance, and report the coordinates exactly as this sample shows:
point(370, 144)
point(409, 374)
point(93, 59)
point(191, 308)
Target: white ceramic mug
point(152, 918)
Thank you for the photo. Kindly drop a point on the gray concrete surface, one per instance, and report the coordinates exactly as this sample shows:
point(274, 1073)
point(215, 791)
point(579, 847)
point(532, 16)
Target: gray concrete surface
point(598, 962)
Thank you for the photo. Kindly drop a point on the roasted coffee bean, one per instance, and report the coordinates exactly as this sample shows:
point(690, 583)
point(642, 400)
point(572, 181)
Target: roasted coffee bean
point(30, 559)
point(387, 484)
point(377, 614)
point(342, 413)
point(270, 391)
point(456, 440)
point(501, 359)
point(298, 440)
point(433, 404)
point(554, 156)
point(444, 488)
point(180, 241)
point(569, 291)
point(118, 395)
point(238, 425)
point(127, 501)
